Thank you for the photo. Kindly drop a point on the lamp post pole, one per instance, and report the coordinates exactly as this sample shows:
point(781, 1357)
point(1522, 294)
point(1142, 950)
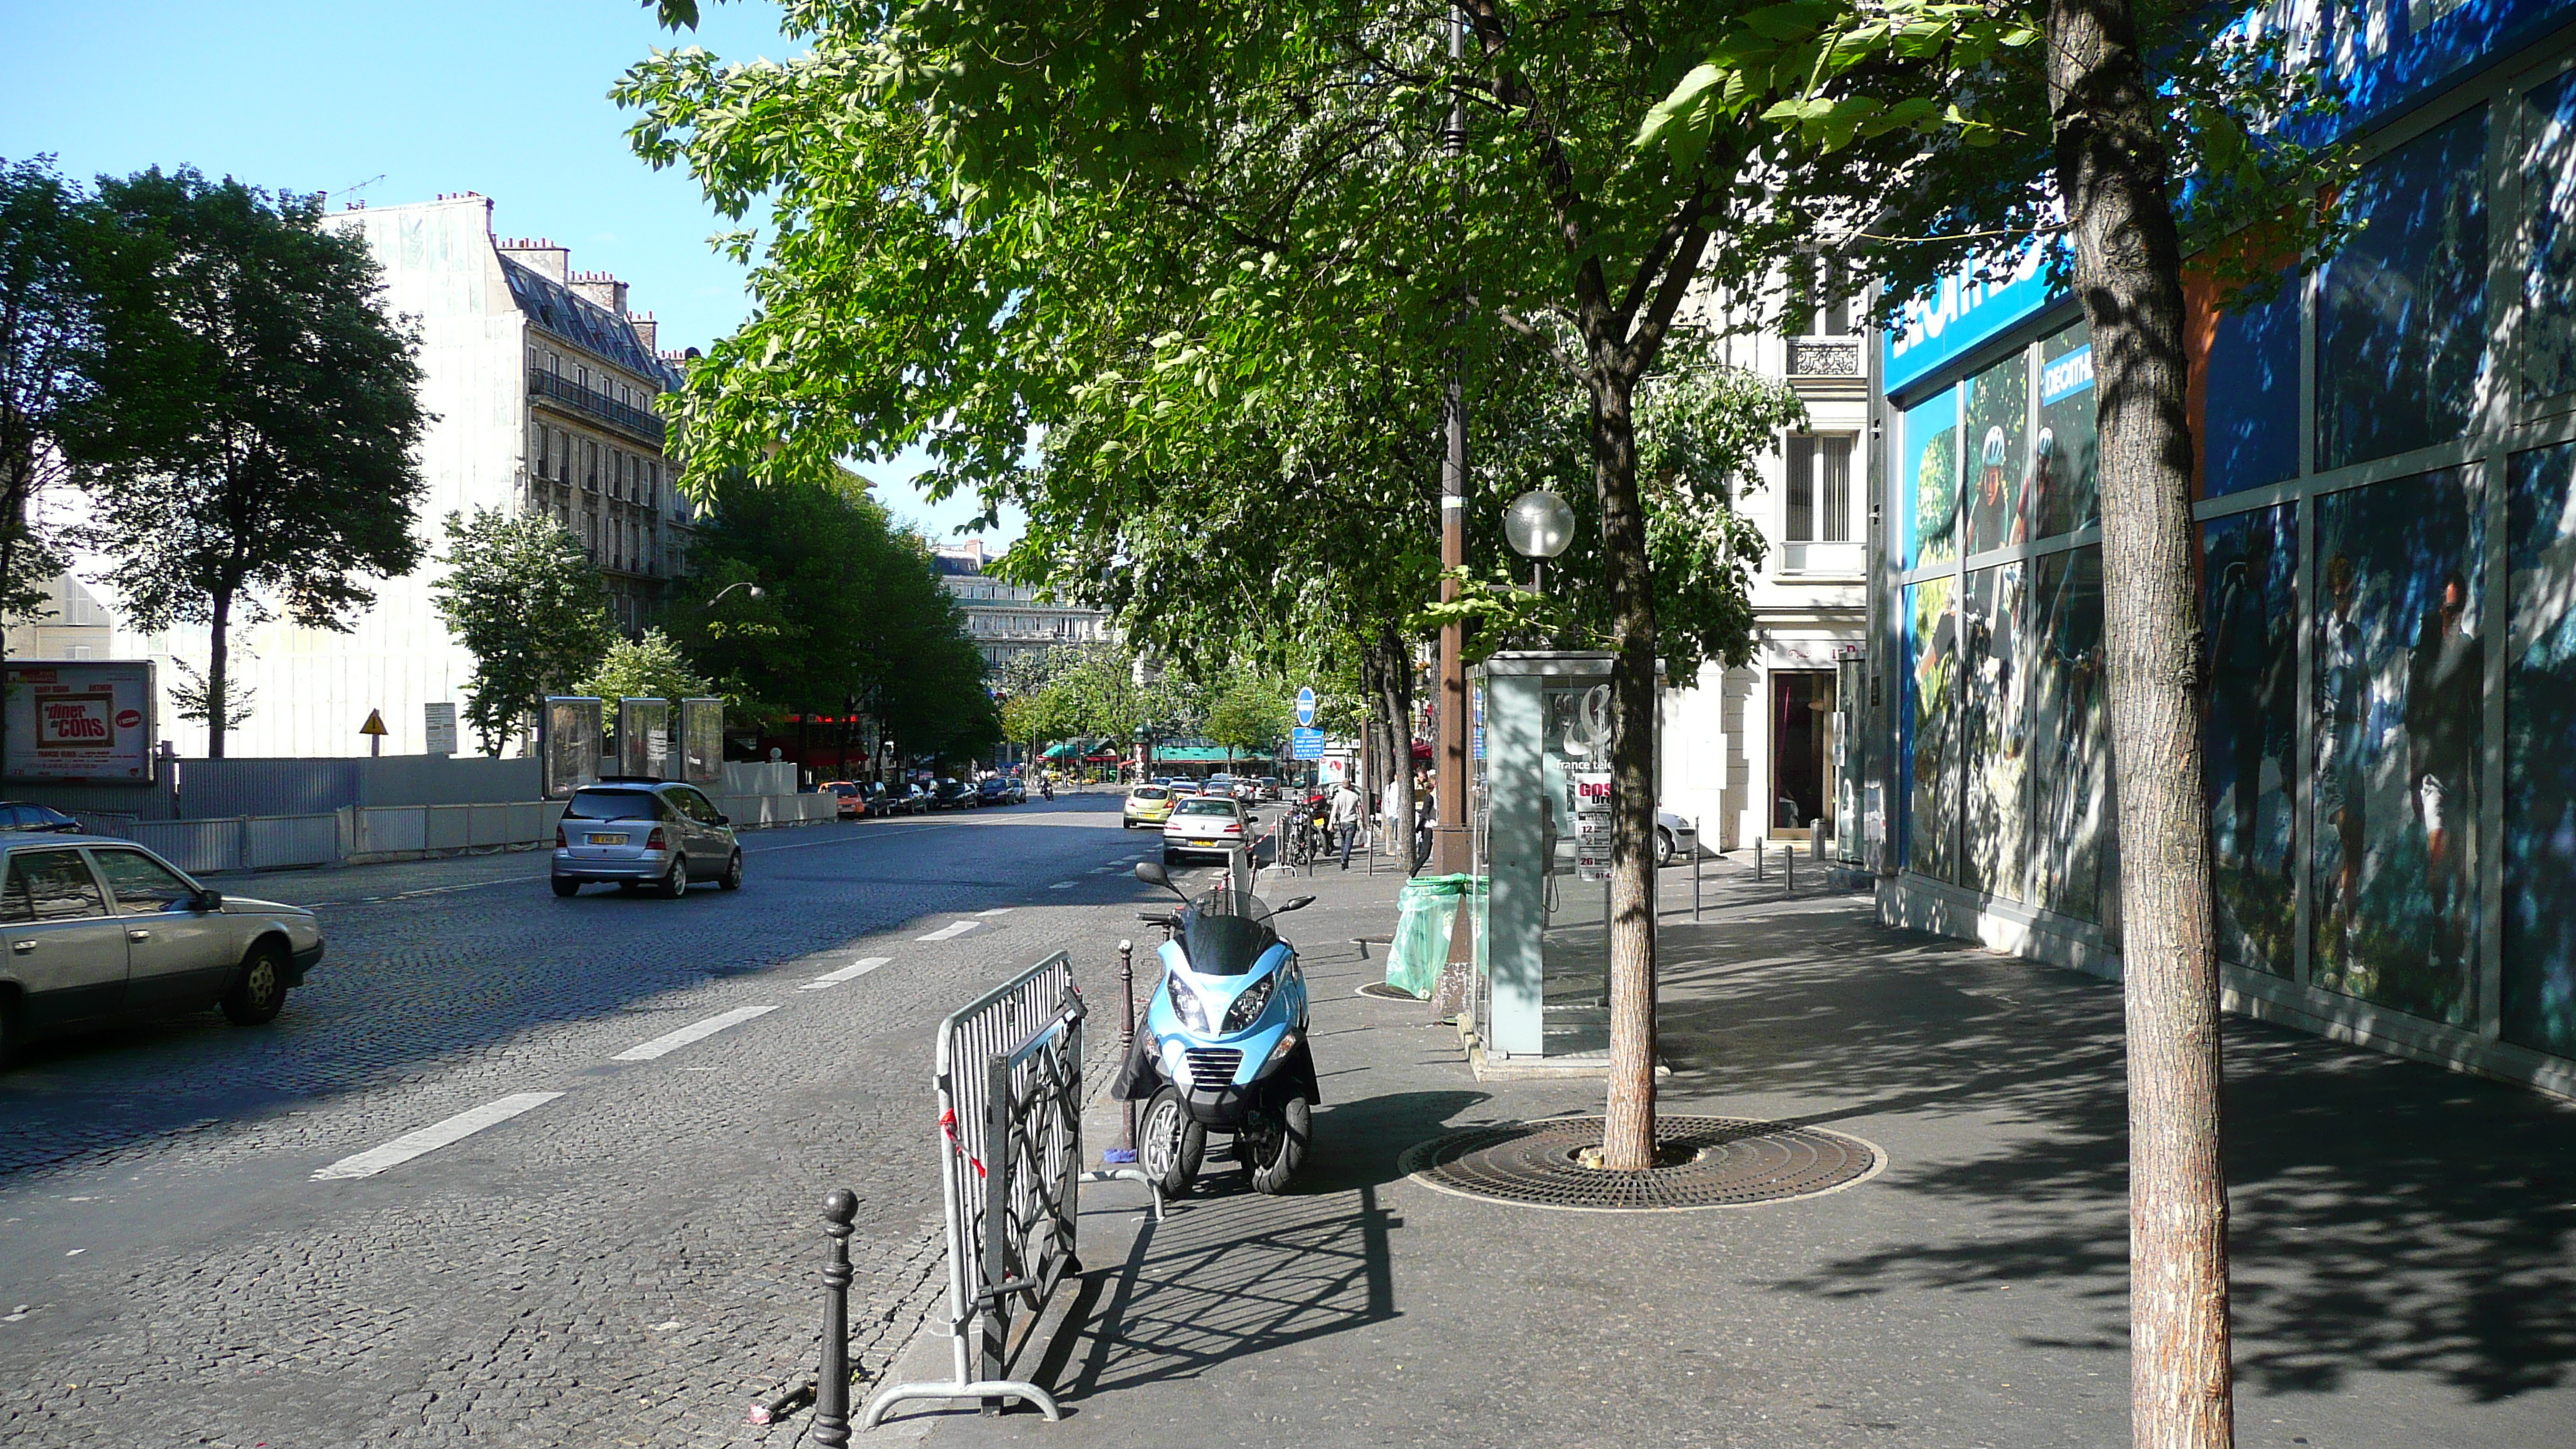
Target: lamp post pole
point(1450, 794)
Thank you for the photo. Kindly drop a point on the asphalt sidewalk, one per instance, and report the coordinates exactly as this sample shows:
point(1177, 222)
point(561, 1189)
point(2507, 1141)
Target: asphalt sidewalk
point(2405, 1238)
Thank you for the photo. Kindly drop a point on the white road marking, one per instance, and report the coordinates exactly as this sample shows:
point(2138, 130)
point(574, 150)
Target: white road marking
point(851, 972)
point(696, 1031)
point(998, 911)
point(950, 932)
point(434, 1136)
point(1064, 885)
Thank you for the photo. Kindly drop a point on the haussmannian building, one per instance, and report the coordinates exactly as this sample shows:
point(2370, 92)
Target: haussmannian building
point(1004, 619)
point(541, 385)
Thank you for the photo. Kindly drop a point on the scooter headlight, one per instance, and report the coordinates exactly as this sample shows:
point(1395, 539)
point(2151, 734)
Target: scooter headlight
point(1249, 1005)
point(1186, 1005)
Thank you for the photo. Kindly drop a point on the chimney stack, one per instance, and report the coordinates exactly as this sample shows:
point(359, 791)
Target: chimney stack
point(601, 288)
point(644, 326)
point(541, 256)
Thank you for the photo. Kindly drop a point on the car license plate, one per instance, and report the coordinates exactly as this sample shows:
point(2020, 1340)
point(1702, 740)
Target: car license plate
point(608, 840)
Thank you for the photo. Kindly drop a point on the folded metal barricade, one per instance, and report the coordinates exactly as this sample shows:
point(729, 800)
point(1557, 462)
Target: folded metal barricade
point(1010, 1119)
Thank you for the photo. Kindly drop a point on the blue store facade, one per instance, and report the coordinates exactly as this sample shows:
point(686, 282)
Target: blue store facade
point(2385, 477)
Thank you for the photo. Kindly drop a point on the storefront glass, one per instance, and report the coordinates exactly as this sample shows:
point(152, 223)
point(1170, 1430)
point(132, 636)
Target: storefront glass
point(2065, 487)
point(2549, 282)
point(2247, 419)
point(2539, 978)
point(1930, 752)
point(2400, 686)
point(2401, 311)
point(2073, 833)
point(2249, 606)
point(1993, 723)
point(1998, 438)
point(1931, 480)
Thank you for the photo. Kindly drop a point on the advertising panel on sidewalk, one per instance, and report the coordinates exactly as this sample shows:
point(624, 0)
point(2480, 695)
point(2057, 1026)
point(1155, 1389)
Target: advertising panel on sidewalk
point(80, 720)
point(570, 744)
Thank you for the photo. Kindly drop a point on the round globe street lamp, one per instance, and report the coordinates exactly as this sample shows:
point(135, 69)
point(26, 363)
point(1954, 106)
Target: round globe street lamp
point(1538, 525)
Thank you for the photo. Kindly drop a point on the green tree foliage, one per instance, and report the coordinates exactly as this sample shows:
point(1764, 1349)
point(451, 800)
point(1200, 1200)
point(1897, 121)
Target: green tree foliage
point(651, 667)
point(525, 599)
point(47, 334)
point(1250, 715)
point(851, 617)
point(250, 445)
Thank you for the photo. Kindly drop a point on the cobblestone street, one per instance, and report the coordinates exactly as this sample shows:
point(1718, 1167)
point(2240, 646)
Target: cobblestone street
point(628, 1260)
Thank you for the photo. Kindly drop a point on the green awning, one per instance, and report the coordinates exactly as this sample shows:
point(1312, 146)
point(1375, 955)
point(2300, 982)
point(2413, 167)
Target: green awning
point(1198, 755)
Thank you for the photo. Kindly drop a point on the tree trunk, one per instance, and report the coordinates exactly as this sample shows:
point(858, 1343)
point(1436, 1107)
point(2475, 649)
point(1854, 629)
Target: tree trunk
point(1628, 1135)
point(218, 664)
point(2112, 167)
point(1395, 689)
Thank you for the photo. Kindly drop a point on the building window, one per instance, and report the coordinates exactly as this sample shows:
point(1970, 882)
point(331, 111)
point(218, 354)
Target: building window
point(1819, 300)
point(1820, 478)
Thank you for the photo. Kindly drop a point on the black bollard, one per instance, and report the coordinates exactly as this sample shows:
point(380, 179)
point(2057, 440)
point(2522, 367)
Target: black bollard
point(832, 1381)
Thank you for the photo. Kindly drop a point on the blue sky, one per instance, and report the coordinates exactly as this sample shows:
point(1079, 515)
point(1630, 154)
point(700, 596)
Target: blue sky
point(399, 102)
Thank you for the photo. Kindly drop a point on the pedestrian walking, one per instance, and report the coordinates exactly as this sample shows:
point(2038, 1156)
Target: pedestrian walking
point(1346, 818)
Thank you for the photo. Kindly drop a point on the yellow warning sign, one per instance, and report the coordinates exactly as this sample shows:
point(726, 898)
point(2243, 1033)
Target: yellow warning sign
point(375, 724)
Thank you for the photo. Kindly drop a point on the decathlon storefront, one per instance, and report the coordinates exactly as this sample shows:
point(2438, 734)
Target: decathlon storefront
point(2386, 483)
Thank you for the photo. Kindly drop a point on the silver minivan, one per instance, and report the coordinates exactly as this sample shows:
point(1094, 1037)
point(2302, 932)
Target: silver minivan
point(657, 833)
point(101, 931)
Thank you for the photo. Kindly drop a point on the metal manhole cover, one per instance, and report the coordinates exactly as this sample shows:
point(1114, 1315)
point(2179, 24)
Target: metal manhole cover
point(1708, 1162)
point(1380, 991)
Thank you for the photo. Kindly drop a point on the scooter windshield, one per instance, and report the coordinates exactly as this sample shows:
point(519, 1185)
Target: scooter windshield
point(1225, 931)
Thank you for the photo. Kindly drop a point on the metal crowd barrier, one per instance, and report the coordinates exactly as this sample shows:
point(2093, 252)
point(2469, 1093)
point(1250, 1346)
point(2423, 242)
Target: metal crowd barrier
point(1010, 1118)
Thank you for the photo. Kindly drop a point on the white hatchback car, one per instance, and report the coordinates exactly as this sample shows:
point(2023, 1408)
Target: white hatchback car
point(1206, 825)
point(657, 833)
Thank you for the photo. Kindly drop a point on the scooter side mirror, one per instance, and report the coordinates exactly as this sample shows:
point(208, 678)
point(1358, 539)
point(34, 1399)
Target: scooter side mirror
point(1297, 904)
point(1151, 872)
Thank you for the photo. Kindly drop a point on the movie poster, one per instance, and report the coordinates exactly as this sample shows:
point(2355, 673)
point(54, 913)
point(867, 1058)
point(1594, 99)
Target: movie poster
point(1931, 480)
point(1932, 764)
point(2074, 841)
point(2399, 700)
point(2249, 730)
point(2539, 978)
point(1993, 718)
point(1998, 438)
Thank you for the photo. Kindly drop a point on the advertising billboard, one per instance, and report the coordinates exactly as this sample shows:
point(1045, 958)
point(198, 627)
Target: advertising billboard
point(570, 746)
point(702, 740)
point(644, 738)
point(84, 720)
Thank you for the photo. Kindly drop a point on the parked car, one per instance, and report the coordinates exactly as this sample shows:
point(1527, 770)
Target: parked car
point(1017, 789)
point(19, 815)
point(883, 800)
point(102, 931)
point(1675, 838)
point(1146, 805)
point(664, 834)
point(1206, 825)
point(952, 795)
point(853, 800)
point(994, 791)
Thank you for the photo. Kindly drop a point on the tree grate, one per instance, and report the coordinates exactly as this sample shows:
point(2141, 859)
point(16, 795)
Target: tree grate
point(1704, 1162)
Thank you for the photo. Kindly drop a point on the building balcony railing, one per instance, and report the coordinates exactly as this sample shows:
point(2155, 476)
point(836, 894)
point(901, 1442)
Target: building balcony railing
point(1824, 357)
point(599, 407)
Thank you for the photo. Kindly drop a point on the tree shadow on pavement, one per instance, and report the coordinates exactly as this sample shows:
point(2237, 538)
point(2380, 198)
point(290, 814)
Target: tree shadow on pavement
point(2387, 1216)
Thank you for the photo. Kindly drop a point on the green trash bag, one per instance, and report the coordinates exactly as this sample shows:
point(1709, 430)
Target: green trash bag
point(1425, 910)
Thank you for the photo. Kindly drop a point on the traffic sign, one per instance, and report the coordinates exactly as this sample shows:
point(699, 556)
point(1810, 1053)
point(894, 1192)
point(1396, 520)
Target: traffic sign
point(1305, 704)
point(375, 724)
point(1306, 744)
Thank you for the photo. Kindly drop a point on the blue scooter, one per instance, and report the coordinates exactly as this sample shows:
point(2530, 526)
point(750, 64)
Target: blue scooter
point(1224, 1041)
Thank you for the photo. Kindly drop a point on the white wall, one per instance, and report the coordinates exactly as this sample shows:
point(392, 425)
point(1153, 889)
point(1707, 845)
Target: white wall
point(313, 688)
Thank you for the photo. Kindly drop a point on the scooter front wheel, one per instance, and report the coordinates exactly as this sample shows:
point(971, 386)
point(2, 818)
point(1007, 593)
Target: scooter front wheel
point(1170, 1143)
point(1279, 1145)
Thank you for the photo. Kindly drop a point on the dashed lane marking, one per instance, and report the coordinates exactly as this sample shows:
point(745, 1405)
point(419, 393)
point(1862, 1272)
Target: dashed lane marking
point(950, 932)
point(1064, 885)
point(433, 1137)
point(851, 972)
point(670, 1042)
point(998, 911)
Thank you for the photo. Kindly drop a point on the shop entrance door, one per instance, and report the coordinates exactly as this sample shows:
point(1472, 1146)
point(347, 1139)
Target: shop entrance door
point(1802, 707)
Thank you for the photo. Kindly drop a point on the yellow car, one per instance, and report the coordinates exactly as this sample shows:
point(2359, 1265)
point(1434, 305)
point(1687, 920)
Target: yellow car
point(1147, 805)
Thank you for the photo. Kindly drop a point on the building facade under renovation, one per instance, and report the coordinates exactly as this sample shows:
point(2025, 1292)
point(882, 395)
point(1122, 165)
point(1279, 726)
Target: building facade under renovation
point(2385, 476)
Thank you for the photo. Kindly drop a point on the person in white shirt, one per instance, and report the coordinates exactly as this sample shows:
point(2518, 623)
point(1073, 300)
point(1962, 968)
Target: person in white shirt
point(1346, 818)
